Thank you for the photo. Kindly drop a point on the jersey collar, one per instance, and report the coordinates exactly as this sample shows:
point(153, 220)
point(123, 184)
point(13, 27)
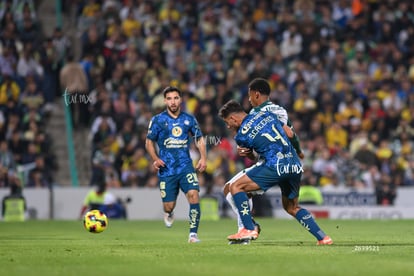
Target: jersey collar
point(259, 107)
point(169, 115)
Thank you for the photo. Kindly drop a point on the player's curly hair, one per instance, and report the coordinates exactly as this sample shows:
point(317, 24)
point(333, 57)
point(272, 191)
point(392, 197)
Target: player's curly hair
point(230, 107)
point(261, 85)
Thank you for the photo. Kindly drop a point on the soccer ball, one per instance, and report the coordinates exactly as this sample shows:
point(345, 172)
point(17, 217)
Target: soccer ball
point(95, 221)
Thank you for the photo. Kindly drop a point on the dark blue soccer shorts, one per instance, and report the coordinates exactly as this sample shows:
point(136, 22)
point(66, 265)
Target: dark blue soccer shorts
point(267, 177)
point(170, 185)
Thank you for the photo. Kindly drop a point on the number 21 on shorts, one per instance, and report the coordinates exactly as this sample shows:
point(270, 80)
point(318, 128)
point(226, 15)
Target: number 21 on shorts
point(192, 178)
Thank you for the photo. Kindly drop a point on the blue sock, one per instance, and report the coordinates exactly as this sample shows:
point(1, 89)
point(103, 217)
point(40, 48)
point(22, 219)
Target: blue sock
point(306, 220)
point(194, 215)
point(242, 203)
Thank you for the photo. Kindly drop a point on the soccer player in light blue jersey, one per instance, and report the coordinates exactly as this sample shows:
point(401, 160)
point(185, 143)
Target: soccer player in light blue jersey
point(279, 165)
point(172, 131)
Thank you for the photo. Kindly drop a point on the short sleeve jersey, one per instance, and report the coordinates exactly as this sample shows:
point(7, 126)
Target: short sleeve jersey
point(268, 106)
point(264, 133)
point(173, 137)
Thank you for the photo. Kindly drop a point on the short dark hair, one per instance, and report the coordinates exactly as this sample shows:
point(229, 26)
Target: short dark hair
point(169, 89)
point(261, 85)
point(230, 107)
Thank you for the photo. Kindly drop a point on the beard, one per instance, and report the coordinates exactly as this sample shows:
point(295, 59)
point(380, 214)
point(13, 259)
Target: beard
point(173, 109)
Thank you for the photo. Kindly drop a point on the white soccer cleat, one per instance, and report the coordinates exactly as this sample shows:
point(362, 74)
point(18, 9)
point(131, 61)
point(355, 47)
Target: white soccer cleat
point(169, 219)
point(193, 238)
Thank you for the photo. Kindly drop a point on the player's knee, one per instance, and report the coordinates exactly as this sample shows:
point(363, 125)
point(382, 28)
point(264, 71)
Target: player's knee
point(192, 197)
point(169, 207)
point(235, 187)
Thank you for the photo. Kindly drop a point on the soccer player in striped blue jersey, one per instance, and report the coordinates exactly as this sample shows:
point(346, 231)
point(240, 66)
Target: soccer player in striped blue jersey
point(279, 165)
point(172, 131)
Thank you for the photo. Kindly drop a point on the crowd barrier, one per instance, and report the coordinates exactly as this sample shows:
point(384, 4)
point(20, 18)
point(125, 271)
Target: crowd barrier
point(65, 204)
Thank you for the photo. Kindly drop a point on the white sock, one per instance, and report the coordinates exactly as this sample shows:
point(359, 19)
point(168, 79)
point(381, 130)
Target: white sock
point(230, 200)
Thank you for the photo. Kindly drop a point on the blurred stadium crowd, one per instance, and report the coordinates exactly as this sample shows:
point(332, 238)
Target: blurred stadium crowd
point(343, 69)
point(29, 67)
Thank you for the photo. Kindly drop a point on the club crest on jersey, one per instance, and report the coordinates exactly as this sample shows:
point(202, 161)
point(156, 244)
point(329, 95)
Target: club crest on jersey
point(177, 131)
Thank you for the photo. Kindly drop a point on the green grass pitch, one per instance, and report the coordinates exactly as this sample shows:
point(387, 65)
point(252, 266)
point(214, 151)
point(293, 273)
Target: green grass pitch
point(361, 247)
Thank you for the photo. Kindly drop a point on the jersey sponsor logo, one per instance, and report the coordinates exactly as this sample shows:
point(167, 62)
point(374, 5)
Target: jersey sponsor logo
point(175, 143)
point(187, 122)
point(177, 131)
point(249, 124)
point(280, 155)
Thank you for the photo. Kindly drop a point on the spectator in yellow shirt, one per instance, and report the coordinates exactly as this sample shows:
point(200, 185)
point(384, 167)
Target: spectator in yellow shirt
point(168, 13)
point(91, 8)
point(9, 90)
point(336, 136)
point(130, 24)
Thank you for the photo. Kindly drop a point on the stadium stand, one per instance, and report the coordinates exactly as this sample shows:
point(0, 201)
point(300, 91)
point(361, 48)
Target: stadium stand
point(27, 87)
point(343, 69)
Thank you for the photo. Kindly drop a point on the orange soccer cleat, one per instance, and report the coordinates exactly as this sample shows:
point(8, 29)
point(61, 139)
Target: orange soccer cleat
point(244, 234)
point(325, 241)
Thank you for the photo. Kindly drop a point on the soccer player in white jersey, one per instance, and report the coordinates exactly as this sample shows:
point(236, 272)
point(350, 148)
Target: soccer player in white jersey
point(259, 91)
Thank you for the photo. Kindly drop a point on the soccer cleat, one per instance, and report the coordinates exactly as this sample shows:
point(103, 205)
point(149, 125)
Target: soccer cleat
point(325, 241)
point(169, 219)
point(244, 234)
point(244, 242)
point(235, 241)
point(193, 238)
